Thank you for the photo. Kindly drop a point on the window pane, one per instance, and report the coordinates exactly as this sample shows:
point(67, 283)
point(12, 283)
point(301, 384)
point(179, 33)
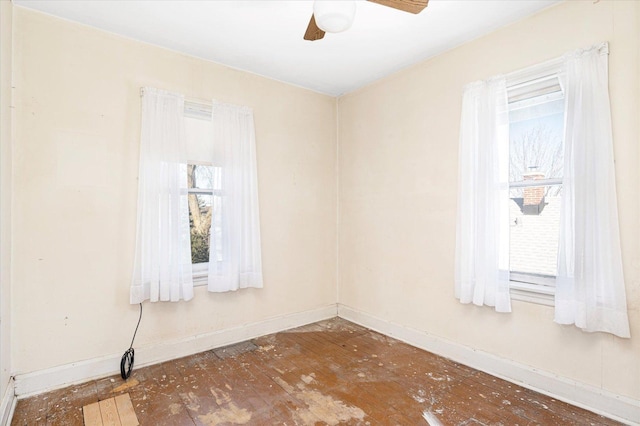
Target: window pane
point(200, 176)
point(534, 231)
point(216, 228)
point(536, 139)
point(204, 207)
point(200, 222)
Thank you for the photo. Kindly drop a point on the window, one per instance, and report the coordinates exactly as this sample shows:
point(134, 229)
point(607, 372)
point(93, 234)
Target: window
point(198, 217)
point(536, 123)
point(203, 182)
point(221, 172)
point(516, 123)
point(204, 208)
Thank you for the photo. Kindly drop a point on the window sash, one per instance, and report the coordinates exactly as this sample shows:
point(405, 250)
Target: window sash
point(534, 183)
point(533, 293)
point(204, 191)
point(536, 279)
point(526, 88)
point(535, 282)
point(200, 270)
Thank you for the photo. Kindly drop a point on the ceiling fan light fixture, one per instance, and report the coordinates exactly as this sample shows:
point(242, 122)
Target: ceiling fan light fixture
point(334, 16)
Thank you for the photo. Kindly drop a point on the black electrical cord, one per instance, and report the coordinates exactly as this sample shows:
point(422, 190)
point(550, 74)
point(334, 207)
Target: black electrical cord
point(126, 363)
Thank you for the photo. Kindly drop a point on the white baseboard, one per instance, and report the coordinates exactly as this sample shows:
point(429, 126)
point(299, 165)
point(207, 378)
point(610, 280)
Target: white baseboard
point(589, 397)
point(57, 377)
point(8, 404)
point(620, 408)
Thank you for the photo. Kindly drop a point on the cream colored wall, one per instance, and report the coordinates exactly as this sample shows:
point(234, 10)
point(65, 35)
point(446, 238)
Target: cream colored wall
point(398, 154)
point(74, 183)
point(6, 29)
point(75, 169)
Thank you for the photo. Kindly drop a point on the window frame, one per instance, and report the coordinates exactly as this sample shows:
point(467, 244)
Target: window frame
point(523, 85)
point(200, 271)
point(200, 111)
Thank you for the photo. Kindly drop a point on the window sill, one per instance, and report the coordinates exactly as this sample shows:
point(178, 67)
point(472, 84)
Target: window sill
point(200, 280)
point(532, 293)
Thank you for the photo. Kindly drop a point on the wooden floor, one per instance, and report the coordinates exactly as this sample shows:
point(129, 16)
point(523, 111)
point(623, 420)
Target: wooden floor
point(328, 373)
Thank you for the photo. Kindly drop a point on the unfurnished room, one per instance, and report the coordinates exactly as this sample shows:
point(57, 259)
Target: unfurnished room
point(280, 212)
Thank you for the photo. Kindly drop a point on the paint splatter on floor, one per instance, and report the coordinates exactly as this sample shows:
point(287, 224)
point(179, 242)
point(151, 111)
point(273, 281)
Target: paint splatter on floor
point(319, 407)
point(431, 418)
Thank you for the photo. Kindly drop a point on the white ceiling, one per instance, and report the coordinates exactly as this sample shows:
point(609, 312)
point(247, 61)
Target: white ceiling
point(265, 37)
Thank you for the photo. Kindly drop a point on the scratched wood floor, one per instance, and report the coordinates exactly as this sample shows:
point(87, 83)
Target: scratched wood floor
point(329, 373)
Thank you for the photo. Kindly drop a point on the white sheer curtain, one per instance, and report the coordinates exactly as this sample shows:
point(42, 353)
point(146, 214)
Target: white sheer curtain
point(162, 269)
point(482, 242)
point(590, 291)
point(234, 255)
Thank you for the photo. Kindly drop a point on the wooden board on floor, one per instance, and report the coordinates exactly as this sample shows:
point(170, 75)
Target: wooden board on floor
point(116, 411)
point(125, 410)
point(92, 416)
point(109, 413)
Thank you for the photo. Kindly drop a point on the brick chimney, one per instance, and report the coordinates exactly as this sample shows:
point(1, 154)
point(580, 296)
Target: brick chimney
point(533, 201)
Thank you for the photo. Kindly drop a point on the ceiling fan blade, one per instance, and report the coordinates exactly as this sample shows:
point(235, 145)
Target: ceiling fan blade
point(411, 6)
point(313, 32)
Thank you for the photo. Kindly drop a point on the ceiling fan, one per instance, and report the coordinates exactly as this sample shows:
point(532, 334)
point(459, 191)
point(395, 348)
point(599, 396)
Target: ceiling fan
point(337, 16)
